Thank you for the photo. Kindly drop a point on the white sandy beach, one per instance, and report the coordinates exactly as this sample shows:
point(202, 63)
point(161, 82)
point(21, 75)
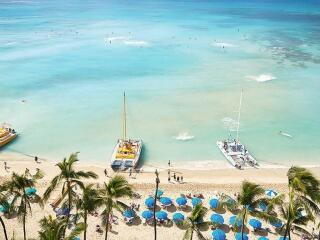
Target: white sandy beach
point(207, 182)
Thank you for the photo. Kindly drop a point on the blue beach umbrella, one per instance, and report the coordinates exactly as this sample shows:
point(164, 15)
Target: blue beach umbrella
point(76, 238)
point(232, 221)
point(181, 201)
point(161, 215)
point(271, 193)
point(263, 238)
point(3, 209)
point(62, 212)
point(255, 223)
point(31, 191)
point(147, 214)
point(238, 236)
point(129, 213)
point(214, 203)
point(159, 193)
point(277, 224)
point(249, 207)
point(218, 234)
point(217, 218)
point(178, 217)
point(263, 206)
point(283, 238)
point(196, 201)
point(149, 202)
point(166, 201)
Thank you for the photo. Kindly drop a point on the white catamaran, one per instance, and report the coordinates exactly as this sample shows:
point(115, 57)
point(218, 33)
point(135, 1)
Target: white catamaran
point(235, 152)
point(126, 153)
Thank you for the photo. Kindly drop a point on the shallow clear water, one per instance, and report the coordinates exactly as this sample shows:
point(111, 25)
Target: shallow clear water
point(182, 65)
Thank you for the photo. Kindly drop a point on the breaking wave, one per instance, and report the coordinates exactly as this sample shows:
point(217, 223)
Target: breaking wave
point(262, 77)
point(184, 136)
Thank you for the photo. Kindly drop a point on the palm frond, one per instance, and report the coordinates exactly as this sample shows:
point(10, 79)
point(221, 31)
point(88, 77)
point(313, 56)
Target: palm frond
point(188, 234)
point(53, 185)
point(79, 228)
point(199, 234)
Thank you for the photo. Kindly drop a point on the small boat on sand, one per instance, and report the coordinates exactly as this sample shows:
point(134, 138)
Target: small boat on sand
point(7, 134)
point(127, 152)
point(234, 151)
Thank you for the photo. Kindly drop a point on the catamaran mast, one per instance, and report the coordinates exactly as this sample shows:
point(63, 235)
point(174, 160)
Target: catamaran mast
point(239, 115)
point(124, 126)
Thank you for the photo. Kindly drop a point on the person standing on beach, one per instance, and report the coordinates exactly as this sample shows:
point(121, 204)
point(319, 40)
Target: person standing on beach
point(106, 172)
point(178, 178)
point(169, 178)
point(130, 172)
point(174, 176)
point(181, 179)
point(169, 163)
point(5, 166)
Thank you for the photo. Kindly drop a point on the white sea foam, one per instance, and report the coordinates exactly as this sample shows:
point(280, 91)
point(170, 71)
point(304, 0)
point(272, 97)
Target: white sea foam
point(223, 44)
point(184, 136)
point(262, 77)
point(230, 123)
point(285, 134)
point(127, 41)
point(112, 39)
point(136, 43)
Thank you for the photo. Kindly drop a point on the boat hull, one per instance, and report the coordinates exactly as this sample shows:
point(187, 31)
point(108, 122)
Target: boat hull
point(123, 163)
point(238, 159)
point(7, 139)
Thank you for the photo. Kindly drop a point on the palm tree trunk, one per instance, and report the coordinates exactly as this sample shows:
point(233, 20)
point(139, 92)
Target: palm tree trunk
point(107, 225)
point(191, 235)
point(154, 211)
point(287, 231)
point(24, 223)
point(289, 234)
point(69, 208)
point(4, 228)
point(243, 220)
point(155, 204)
point(85, 224)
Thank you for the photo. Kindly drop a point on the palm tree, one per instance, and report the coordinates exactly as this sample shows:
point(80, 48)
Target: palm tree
point(69, 178)
point(194, 222)
point(304, 193)
point(296, 216)
point(89, 202)
point(248, 201)
point(117, 187)
point(21, 202)
point(3, 203)
point(53, 229)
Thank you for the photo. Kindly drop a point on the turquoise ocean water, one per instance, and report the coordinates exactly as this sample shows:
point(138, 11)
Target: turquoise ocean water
point(182, 65)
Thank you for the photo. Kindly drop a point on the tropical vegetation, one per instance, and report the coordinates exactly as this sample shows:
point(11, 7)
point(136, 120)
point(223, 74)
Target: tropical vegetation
point(70, 179)
point(297, 209)
point(194, 222)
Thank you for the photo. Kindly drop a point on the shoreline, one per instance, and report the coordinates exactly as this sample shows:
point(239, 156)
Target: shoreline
point(267, 174)
point(190, 165)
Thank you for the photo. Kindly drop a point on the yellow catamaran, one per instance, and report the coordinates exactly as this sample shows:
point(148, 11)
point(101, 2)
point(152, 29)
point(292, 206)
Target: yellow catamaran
point(126, 153)
point(7, 134)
